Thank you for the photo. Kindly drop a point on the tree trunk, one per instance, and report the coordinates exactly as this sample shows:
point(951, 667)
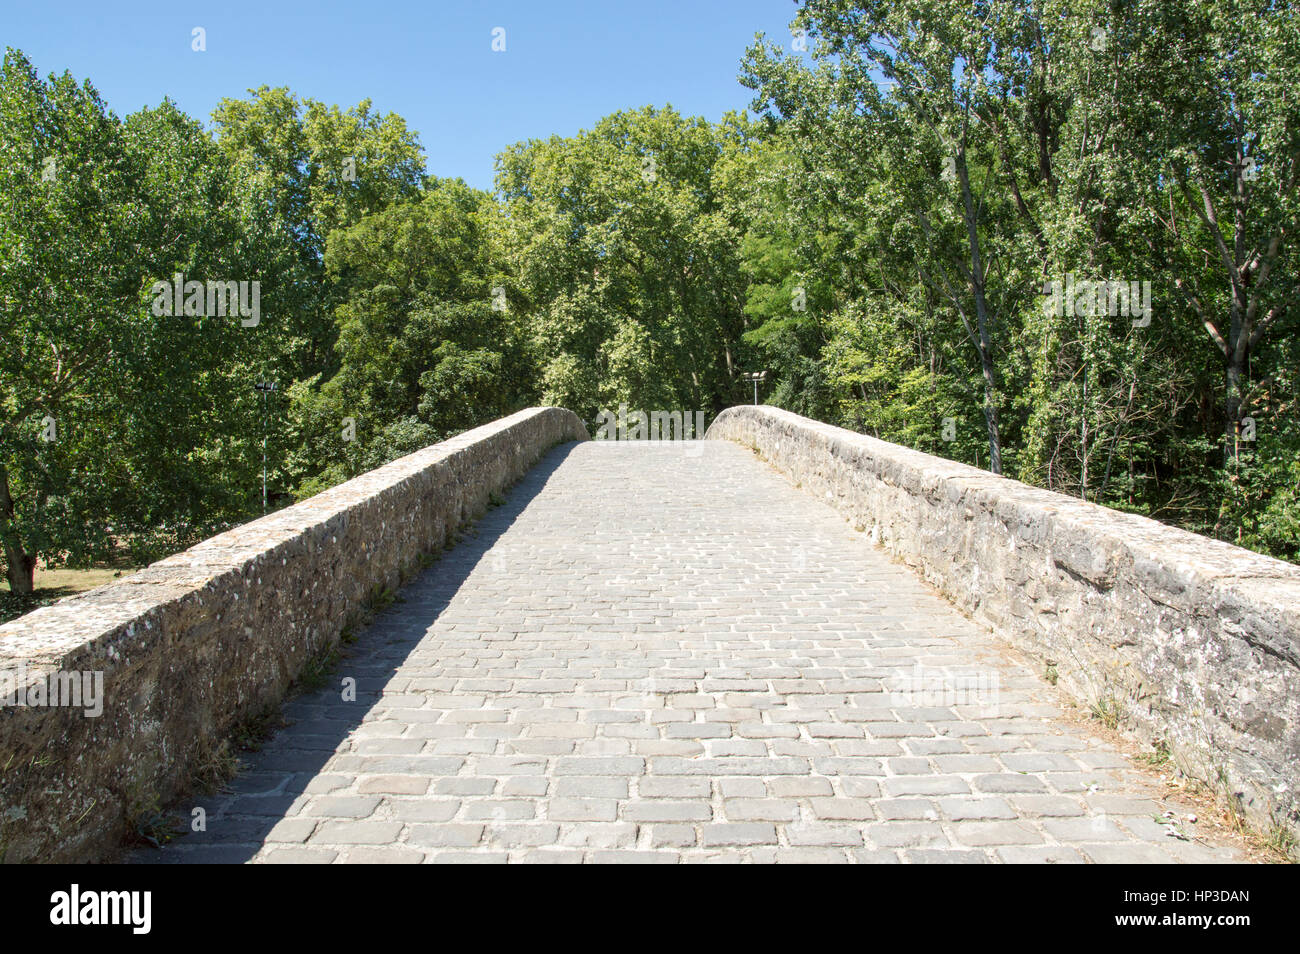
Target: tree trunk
point(20, 566)
point(985, 346)
point(1233, 407)
point(1083, 437)
point(20, 570)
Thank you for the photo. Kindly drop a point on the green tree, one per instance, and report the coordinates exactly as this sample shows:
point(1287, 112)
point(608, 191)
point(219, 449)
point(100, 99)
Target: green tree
point(428, 344)
point(927, 97)
point(309, 169)
point(627, 261)
point(66, 265)
point(113, 418)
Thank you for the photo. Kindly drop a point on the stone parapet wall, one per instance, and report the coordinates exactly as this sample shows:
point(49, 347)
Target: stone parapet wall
point(1192, 642)
point(195, 645)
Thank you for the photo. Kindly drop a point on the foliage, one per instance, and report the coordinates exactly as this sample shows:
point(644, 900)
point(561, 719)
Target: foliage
point(627, 261)
point(879, 237)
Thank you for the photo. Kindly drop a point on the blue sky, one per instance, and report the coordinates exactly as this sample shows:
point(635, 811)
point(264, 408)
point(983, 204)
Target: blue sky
point(566, 63)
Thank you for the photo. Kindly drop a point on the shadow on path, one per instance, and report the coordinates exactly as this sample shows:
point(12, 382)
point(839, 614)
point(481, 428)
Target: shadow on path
point(320, 725)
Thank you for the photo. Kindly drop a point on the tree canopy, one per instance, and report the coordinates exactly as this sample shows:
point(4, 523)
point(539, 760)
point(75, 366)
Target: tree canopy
point(1054, 240)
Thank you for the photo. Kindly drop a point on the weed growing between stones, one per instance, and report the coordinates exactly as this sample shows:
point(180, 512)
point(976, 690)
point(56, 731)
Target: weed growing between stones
point(1107, 711)
point(315, 673)
point(147, 822)
point(1157, 757)
point(381, 597)
point(213, 765)
point(1281, 840)
point(1277, 839)
point(252, 733)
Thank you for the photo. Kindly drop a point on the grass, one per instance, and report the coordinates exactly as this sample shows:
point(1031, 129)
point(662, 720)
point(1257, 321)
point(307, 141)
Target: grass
point(253, 732)
point(315, 673)
point(1157, 757)
point(1107, 711)
point(214, 764)
point(146, 821)
point(1282, 841)
point(1277, 840)
point(154, 827)
point(381, 597)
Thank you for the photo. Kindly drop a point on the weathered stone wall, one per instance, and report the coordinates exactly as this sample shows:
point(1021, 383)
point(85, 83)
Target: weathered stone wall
point(1195, 641)
point(197, 643)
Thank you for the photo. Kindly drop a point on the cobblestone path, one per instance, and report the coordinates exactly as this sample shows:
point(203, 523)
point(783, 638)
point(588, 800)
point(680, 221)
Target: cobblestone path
point(666, 652)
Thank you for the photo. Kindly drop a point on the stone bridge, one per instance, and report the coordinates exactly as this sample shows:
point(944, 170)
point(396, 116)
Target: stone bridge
point(786, 642)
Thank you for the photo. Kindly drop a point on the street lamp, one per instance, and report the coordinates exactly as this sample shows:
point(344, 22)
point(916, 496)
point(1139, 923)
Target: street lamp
point(266, 387)
point(755, 376)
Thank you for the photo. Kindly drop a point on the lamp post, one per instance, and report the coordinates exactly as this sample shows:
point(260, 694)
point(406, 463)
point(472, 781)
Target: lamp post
point(266, 387)
point(756, 376)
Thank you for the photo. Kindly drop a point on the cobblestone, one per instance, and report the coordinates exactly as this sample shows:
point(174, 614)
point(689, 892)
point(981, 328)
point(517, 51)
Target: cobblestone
point(664, 652)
